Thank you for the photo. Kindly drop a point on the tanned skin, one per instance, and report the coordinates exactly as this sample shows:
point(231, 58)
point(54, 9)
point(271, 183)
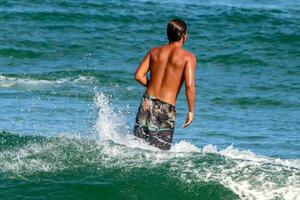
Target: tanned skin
point(170, 66)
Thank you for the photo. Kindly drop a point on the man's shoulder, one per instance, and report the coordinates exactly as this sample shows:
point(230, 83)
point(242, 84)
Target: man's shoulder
point(157, 48)
point(153, 51)
point(180, 51)
point(189, 56)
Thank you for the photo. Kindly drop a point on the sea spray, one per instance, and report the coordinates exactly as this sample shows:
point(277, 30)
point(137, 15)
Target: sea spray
point(109, 124)
point(248, 175)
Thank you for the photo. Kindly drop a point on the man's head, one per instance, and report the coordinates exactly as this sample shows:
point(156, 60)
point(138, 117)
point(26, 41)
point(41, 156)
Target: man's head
point(176, 30)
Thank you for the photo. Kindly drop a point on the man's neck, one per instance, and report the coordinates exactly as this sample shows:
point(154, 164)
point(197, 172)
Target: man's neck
point(178, 43)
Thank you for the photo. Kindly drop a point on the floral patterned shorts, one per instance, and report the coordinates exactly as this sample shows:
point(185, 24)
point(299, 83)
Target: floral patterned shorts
point(155, 122)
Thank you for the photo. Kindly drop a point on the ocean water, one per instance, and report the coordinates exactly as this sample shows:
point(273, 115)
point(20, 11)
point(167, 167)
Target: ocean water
point(68, 101)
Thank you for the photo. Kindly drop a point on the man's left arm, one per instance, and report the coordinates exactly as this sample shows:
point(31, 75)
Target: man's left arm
point(140, 74)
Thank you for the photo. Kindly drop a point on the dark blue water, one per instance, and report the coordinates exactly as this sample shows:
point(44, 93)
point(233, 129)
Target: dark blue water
point(66, 70)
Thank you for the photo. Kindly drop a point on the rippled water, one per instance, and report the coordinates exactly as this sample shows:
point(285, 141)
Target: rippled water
point(63, 62)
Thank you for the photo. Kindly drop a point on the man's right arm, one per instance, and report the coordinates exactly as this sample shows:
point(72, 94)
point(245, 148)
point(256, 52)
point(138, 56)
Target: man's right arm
point(140, 74)
point(189, 78)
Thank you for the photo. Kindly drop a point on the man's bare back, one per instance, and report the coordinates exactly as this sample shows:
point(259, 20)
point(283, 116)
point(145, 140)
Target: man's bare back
point(170, 66)
point(167, 68)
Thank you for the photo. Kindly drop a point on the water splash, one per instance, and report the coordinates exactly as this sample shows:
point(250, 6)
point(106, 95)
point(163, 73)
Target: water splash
point(247, 174)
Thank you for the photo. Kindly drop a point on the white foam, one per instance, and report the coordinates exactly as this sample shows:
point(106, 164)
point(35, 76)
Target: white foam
point(184, 146)
point(231, 152)
point(7, 82)
point(20, 161)
point(12, 81)
point(248, 175)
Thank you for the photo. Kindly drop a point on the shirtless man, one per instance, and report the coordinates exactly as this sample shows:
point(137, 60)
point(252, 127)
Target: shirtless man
point(170, 66)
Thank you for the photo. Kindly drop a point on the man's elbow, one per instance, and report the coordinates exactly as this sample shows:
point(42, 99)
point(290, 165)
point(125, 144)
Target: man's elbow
point(190, 86)
point(136, 76)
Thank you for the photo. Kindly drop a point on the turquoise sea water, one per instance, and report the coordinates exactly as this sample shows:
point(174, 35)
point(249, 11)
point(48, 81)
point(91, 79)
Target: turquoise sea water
point(68, 101)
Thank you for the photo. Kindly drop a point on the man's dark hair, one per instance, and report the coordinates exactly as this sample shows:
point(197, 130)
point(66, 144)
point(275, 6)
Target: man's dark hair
point(176, 28)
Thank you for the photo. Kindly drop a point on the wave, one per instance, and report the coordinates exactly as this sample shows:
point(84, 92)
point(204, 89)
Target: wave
point(230, 171)
point(112, 156)
point(235, 58)
point(254, 101)
point(6, 81)
point(19, 53)
point(81, 77)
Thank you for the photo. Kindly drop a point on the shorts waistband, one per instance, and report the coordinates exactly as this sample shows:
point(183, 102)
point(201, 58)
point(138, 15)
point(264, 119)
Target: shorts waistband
point(147, 95)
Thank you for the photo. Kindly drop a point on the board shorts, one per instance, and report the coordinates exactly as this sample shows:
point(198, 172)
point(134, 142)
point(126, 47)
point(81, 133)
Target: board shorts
point(155, 121)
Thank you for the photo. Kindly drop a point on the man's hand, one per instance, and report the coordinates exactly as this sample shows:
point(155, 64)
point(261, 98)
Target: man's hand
point(188, 120)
